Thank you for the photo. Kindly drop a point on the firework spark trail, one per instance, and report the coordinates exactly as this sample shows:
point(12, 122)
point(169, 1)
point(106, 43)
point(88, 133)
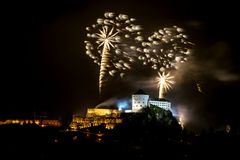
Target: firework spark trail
point(164, 83)
point(106, 39)
point(103, 67)
point(113, 44)
point(164, 51)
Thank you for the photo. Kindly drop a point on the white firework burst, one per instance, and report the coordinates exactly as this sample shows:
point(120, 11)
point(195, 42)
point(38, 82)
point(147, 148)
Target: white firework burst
point(163, 51)
point(165, 82)
point(112, 44)
point(166, 48)
point(106, 38)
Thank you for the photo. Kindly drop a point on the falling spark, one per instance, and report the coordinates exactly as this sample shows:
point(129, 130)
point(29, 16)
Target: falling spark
point(199, 88)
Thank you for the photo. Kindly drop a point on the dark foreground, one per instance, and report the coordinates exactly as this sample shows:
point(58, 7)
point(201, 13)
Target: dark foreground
point(32, 142)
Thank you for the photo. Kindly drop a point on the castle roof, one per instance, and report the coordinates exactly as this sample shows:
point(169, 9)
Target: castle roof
point(159, 99)
point(140, 91)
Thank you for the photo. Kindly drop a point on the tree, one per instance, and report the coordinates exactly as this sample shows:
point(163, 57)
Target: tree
point(155, 114)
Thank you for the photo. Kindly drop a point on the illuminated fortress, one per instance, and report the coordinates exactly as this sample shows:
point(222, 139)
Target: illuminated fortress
point(162, 103)
point(109, 118)
point(140, 99)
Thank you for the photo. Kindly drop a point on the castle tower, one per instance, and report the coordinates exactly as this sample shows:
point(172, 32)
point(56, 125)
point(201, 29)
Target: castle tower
point(139, 100)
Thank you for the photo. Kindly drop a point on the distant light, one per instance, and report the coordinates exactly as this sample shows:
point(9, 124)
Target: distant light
point(174, 112)
point(228, 128)
point(122, 104)
point(75, 138)
point(128, 111)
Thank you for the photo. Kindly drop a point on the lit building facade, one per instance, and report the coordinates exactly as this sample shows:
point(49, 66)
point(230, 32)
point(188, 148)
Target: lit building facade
point(41, 123)
point(162, 103)
point(108, 118)
point(93, 112)
point(139, 100)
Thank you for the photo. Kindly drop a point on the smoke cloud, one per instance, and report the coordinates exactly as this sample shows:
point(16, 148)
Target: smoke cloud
point(195, 94)
point(108, 103)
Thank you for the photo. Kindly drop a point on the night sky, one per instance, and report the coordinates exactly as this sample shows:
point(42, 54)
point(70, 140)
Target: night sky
point(45, 69)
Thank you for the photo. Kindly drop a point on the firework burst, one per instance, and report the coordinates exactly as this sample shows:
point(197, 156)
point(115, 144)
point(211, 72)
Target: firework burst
point(112, 44)
point(166, 48)
point(164, 83)
point(164, 51)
